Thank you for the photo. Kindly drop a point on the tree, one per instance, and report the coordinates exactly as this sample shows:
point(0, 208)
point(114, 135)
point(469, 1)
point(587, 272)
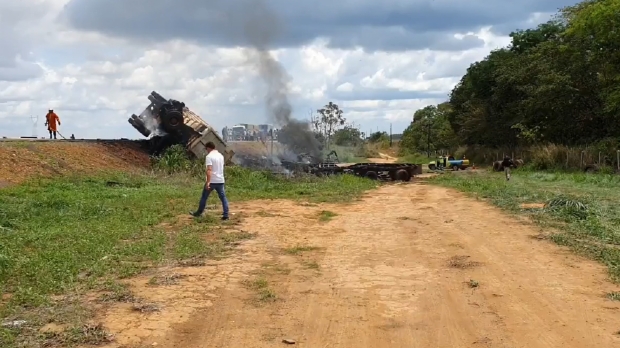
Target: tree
point(430, 130)
point(377, 137)
point(347, 136)
point(329, 119)
point(556, 83)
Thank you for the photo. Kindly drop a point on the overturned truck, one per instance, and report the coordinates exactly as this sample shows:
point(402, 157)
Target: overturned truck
point(167, 122)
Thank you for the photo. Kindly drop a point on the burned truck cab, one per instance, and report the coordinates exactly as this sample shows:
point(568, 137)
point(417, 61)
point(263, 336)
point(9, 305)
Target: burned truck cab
point(167, 122)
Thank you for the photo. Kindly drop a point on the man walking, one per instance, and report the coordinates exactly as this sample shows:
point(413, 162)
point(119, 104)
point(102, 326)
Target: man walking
point(507, 163)
point(50, 121)
point(214, 181)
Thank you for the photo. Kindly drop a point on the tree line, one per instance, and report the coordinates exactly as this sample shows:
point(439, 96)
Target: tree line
point(558, 83)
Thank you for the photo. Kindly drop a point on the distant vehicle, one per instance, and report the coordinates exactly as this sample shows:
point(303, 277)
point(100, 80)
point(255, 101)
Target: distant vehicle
point(238, 132)
point(444, 162)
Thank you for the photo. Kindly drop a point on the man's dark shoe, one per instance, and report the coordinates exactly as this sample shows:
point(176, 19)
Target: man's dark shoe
point(194, 214)
point(225, 218)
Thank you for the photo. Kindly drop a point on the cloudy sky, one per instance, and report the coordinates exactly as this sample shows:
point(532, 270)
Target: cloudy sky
point(96, 61)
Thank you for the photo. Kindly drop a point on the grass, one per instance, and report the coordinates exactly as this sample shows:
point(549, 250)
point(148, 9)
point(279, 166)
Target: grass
point(614, 296)
point(75, 234)
point(416, 158)
point(300, 249)
point(312, 265)
point(582, 210)
point(263, 292)
point(326, 215)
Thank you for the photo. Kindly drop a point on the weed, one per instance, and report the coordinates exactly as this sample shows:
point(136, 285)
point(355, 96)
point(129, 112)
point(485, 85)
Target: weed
point(473, 284)
point(326, 215)
point(298, 249)
point(312, 265)
point(263, 291)
point(614, 296)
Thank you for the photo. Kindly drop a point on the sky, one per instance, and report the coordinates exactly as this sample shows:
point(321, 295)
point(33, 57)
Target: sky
point(96, 61)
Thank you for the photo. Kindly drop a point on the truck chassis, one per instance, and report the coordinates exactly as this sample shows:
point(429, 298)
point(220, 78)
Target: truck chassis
point(373, 171)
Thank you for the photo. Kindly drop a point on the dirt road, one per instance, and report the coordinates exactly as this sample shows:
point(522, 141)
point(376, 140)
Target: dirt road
point(412, 266)
point(383, 158)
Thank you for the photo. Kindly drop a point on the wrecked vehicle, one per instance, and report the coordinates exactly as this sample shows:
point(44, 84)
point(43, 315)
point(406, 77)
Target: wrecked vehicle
point(167, 122)
point(374, 171)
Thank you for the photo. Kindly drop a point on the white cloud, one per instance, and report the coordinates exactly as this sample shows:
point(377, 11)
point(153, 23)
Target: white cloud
point(95, 83)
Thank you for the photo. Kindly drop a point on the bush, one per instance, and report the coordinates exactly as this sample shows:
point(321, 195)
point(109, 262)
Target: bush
point(173, 160)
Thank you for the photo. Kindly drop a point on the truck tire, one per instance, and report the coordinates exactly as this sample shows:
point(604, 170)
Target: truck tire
point(172, 119)
point(455, 167)
point(403, 175)
point(432, 166)
point(372, 175)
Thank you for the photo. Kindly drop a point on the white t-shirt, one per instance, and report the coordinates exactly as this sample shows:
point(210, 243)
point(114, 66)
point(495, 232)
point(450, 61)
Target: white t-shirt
point(216, 161)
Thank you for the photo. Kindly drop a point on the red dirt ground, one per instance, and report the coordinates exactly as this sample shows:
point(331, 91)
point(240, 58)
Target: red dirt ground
point(23, 160)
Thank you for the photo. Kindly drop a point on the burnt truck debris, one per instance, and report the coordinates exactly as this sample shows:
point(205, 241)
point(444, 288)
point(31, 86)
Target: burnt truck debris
point(331, 166)
point(167, 122)
point(373, 171)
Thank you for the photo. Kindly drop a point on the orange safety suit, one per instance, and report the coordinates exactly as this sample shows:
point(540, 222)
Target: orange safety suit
point(52, 118)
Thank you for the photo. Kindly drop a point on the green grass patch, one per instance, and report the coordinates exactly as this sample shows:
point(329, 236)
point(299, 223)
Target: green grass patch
point(614, 296)
point(416, 158)
point(299, 249)
point(326, 215)
point(263, 292)
point(582, 209)
point(71, 234)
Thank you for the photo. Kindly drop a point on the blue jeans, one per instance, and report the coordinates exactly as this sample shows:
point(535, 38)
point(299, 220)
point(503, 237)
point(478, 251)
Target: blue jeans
point(219, 188)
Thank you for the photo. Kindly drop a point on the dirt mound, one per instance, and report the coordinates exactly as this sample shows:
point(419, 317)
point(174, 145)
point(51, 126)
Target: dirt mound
point(22, 160)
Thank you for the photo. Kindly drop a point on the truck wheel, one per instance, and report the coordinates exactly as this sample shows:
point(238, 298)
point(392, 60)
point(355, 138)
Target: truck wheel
point(455, 167)
point(372, 175)
point(175, 118)
point(432, 166)
point(403, 175)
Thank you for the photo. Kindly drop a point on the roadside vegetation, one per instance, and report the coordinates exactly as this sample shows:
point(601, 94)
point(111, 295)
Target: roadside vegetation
point(64, 237)
point(550, 97)
point(581, 211)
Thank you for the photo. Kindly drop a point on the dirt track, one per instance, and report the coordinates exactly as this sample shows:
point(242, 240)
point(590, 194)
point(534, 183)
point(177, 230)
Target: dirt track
point(391, 271)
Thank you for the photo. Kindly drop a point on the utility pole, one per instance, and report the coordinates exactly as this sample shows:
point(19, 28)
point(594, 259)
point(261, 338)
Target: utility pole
point(35, 122)
point(390, 135)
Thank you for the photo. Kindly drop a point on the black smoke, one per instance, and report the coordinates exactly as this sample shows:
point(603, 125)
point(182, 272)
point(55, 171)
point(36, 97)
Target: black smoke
point(262, 28)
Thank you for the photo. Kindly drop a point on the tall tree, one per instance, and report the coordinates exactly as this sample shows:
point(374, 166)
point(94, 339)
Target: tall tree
point(329, 119)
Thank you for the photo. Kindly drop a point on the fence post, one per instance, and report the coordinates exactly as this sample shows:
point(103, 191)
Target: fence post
point(618, 159)
point(582, 154)
point(567, 155)
point(599, 158)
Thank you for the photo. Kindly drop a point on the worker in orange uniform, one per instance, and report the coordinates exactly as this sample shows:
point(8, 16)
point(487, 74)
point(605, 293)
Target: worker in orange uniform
point(50, 121)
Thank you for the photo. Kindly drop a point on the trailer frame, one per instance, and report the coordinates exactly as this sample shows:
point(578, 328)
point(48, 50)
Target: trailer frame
point(374, 171)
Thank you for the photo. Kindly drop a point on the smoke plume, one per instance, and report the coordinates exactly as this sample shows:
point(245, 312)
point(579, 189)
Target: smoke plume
point(261, 28)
